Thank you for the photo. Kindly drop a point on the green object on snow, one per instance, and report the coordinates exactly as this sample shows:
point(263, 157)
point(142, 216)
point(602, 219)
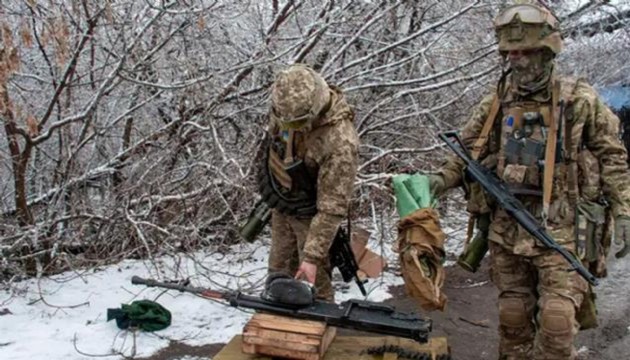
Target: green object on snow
point(146, 315)
point(412, 192)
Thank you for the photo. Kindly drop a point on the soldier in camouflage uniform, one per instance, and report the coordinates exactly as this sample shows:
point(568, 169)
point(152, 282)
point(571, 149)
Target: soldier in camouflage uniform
point(314, 153)
point(556, 146)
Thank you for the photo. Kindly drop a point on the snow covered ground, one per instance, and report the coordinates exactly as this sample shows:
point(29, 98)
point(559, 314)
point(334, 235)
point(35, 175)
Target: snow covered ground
point(64, 316)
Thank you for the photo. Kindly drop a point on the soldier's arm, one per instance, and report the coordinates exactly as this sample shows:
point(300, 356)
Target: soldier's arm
point(335, 183)
point(451, 170)
point(601, 137)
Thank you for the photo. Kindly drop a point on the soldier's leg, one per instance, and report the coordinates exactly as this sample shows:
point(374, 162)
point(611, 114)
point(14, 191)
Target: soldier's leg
point(323, 278)
point(514, 276)
point(283, 255)
point(561, 293)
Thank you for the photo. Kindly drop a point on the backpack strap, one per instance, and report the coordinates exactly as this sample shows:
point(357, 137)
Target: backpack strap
point(477, 147)
point(487, 126)
point(550, 149)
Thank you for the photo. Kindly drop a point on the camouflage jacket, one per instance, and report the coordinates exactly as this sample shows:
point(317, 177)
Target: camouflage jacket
point(329, 149)
point(594, 130)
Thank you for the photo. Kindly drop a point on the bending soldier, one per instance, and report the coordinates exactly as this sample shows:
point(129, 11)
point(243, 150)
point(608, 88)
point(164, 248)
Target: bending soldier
point(310, 173)
point(555, 144)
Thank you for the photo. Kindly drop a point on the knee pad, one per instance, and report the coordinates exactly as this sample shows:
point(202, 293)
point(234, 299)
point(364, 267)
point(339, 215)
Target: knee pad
point(556, 316)
point(512, 313)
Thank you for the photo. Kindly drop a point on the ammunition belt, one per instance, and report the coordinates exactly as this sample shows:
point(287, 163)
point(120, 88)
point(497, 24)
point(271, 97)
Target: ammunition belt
point(404, 353)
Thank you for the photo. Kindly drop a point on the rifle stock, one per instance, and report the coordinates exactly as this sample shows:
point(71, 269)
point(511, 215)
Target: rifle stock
point(353, 314)
point(499, 192)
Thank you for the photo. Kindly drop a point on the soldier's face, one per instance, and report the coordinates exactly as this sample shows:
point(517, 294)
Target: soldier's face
point(524, 59)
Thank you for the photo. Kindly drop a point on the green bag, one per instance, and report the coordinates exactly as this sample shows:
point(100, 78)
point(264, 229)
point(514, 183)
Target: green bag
point(146, 315)
point(412, 193)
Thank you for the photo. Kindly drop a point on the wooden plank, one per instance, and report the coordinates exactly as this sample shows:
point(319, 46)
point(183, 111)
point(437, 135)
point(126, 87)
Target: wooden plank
point(390, 356)
point(284, 353)
point(275, 322)
point(342, 347)
point(438, 346)
point(252, 331)
point(281, 345)
point(327, 339)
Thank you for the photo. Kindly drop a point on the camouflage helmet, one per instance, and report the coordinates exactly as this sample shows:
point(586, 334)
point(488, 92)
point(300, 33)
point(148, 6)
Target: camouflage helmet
point(298, 96)
point(527, 26)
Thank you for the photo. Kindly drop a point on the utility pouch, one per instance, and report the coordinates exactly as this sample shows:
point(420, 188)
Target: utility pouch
point(513, 149)
point(586, 315)
point(533, 151)
point(514, 173)
point(590, 232)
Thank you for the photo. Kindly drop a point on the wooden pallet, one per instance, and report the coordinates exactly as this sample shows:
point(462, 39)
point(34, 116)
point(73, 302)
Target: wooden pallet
point(346, 348)
point(281, 336)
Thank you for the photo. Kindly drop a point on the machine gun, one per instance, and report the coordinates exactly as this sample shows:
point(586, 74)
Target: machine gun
point(353, 314)
point(499, 192)
point(341, 255)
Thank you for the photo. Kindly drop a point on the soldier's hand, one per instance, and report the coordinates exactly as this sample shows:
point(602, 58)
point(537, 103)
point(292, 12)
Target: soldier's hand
point(437, 185)
point(622, 235)
point(308, 271)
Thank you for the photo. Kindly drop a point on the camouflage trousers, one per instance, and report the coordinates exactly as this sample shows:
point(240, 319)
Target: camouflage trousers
point(288, 235)
point(538, 302)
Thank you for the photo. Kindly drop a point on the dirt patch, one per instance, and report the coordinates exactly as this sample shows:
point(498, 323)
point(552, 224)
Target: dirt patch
point(469, 321)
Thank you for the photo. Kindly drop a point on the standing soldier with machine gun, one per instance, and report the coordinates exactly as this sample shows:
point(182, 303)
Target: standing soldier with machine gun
point(554, 145)
point(307, 179)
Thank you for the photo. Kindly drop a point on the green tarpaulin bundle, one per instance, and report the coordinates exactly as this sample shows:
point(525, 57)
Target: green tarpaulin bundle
point(412, 192)
point(145, 315)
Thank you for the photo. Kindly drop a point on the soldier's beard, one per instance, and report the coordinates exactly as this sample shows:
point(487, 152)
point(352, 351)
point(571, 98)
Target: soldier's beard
point(531, 73)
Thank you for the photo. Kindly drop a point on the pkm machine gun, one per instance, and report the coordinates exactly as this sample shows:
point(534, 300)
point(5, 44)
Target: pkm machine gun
point(353, 314)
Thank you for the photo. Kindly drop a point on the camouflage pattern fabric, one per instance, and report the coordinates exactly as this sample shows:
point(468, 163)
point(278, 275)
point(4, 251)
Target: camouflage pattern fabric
point(520, 265)
point(526, 283)
point(539, 298)
point(298, 94)
point(595, 128)
point(329, 148)
point(287, 252)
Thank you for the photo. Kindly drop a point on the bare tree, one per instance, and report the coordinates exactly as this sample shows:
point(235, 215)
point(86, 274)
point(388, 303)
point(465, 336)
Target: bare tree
point(132, 127)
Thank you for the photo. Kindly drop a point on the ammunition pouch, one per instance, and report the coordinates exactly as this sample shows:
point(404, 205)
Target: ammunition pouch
point(298, 200)
point(593, 236)
point(586, 315)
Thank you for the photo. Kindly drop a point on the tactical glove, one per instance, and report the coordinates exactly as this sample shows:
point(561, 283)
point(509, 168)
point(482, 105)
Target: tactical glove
point(622, 235)
point(437, 185)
